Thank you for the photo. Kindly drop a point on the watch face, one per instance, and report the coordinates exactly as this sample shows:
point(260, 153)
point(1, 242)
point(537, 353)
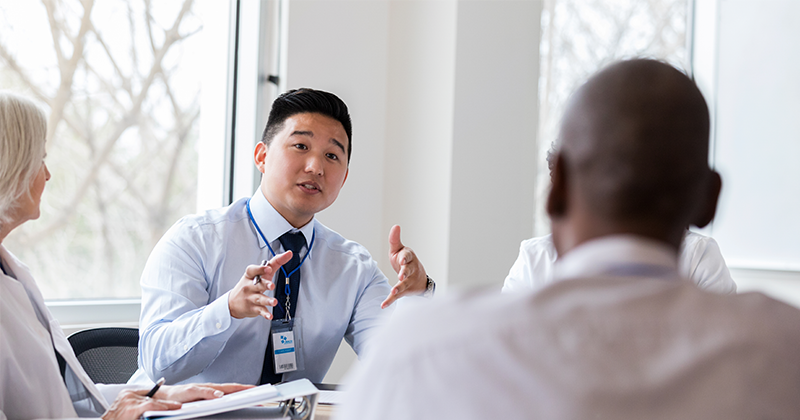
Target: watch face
point(429, 287)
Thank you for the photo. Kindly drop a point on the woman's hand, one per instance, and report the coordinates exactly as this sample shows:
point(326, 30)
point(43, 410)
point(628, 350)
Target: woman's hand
point(197, 392)
point(131, 404)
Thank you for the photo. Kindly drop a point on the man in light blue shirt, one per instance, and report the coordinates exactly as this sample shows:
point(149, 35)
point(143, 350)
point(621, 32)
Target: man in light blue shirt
point(203, 320)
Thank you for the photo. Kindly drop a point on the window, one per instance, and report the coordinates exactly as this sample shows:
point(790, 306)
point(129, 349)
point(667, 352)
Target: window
point(581, 36)
point(123, 83)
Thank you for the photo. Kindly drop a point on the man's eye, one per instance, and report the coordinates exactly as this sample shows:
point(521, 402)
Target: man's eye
point(332, 156)
point(300, 146)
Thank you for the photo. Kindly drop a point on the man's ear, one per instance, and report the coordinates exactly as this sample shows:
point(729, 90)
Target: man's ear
point(708, 210)
point(260, 156)
point(556, 205)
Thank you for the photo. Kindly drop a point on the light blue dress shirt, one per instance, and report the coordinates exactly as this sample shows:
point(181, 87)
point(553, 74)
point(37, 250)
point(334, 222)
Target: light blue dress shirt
point(186, 331)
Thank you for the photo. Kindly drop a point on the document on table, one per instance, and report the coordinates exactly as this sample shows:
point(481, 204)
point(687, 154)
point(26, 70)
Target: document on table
point(330, 397)
point(234, 401)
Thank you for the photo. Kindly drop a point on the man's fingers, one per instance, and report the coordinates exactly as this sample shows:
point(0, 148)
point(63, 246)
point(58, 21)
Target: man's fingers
point(395, 244)
point(262, 300)
point(405, 272)
point(247, 300)
point(271, 268)
point(405, 256)
point(260, 304)
point(389, 300)
point(280, 260)
point(397, 292)
point(265, 313)
point(263, 285)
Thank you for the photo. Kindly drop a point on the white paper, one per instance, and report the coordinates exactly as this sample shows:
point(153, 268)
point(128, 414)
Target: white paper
point(330, 397)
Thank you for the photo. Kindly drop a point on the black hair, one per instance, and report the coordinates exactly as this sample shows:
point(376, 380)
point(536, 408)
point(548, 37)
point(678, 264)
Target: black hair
point(298, 101)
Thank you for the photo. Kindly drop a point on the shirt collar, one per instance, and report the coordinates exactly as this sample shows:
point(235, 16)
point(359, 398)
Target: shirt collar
point(271, 223)
point(625, 255)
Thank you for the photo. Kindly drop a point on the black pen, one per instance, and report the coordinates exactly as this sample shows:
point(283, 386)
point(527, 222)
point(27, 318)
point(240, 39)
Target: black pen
point(155, 388)
point(258, 277)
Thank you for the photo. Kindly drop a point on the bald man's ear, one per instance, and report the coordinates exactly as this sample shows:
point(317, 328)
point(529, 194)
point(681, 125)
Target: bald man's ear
point(557, 198)
point(711, 196)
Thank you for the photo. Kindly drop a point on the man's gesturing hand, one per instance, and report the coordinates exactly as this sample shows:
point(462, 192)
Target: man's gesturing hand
point(247, 300)
point(411, 277)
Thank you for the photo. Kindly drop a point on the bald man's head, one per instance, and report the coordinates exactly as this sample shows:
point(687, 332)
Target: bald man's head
point(633, 156)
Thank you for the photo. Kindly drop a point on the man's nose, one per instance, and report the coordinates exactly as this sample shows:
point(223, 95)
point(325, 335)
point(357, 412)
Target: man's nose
point(314, 164)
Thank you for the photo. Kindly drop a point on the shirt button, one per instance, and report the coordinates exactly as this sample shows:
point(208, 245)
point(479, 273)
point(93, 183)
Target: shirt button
point(219, 325)
point(185, 347)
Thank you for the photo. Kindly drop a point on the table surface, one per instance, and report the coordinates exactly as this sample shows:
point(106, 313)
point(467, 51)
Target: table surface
point(324, 412)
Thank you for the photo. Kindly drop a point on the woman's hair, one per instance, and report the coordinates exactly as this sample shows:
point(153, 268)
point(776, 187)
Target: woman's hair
point(23, 128)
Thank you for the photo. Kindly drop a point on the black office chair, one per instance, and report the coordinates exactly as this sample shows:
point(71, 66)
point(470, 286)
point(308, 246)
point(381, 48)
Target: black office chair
point(108, 355)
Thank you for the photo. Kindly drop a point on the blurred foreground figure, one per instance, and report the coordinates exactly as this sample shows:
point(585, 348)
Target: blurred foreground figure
point(620, 334)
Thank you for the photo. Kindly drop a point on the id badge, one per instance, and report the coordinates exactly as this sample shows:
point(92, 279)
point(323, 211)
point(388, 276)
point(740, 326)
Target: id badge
point(285, 345)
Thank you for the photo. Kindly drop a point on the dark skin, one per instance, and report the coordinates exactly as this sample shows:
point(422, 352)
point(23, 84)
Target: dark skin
point(633, 158)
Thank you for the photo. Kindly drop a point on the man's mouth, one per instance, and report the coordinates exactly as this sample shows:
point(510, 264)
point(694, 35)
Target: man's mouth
point(310, 187)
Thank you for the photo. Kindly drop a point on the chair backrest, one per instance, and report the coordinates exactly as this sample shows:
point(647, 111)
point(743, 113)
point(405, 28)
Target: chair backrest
point(108, 355)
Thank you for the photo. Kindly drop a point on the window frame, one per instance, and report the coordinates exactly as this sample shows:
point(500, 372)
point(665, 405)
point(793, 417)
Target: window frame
point(257, 29)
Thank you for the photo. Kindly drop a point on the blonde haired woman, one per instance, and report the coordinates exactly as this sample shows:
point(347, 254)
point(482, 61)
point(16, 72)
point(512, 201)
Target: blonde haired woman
point(31, 341)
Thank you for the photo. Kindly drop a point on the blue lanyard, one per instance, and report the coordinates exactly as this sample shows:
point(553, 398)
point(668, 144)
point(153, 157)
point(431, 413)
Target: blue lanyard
point(287, 289)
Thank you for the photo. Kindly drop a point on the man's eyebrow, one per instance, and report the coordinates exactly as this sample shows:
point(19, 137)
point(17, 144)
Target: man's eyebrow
point(302, 133)
point(340, 145)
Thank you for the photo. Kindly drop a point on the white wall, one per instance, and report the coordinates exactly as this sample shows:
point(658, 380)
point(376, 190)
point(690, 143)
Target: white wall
point(340, 46)
point(758, 101)
point(419, 130)
point(443, 96)
point(747, 57)
point(494, 140)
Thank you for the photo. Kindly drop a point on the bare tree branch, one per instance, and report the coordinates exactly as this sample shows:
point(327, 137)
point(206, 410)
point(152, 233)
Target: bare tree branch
point(67, 67)
point(36, 90)
point(148, 18)
point(127, 120)
point(190, 34)
point(109, 88)
point(55, 30)
point(126, 85)
point(134, 53)
point(22, 74)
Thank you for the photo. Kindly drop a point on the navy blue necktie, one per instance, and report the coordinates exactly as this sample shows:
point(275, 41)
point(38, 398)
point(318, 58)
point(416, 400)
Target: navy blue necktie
point(291, 241)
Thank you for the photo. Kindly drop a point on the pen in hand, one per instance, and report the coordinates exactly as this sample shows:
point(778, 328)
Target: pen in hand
point(155, 388)
point(258, 277)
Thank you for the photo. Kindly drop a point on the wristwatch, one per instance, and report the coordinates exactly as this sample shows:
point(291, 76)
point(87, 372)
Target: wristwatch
point(430, 287)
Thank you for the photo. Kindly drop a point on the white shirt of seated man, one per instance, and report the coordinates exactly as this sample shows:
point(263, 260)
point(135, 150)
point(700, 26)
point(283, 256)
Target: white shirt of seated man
point(699, 259)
